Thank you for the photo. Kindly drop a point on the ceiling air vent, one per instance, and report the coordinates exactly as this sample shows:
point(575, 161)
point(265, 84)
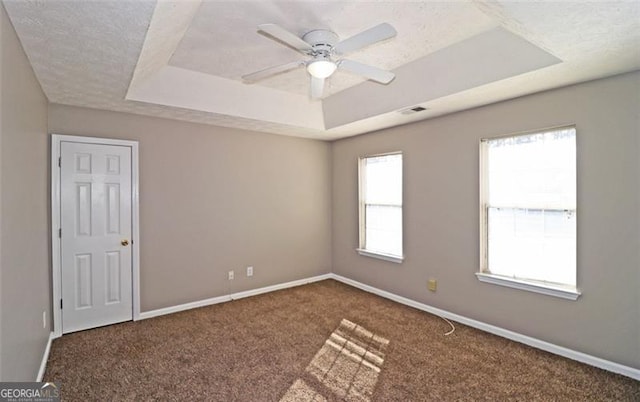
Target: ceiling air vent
point(413, 110)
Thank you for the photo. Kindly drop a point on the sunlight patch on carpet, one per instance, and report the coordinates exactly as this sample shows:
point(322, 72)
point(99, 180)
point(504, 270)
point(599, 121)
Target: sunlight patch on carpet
point(347, 365)
point(301, 391)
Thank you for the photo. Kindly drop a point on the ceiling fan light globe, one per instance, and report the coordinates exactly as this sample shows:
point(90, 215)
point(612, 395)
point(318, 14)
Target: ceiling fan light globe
point(321, 68)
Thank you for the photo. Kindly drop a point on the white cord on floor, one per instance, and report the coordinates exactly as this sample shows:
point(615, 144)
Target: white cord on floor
point(452, 327)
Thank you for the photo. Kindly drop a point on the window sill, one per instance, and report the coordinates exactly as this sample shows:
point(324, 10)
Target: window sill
point(564, 292)
point(381, 256)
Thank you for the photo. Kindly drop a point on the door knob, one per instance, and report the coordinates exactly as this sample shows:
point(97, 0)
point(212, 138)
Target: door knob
point(125, 242)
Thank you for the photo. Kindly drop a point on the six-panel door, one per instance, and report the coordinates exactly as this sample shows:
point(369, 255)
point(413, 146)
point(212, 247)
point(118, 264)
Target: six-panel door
point(96, 235)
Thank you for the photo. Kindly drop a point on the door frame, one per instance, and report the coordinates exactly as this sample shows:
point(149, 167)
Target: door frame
point(56, 211)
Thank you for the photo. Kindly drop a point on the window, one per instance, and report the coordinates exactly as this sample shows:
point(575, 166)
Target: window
point(528, 212)
point(381, 206)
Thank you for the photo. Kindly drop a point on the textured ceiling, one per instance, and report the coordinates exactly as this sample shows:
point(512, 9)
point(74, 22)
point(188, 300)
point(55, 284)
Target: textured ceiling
point(235, 36)
point(90, 53)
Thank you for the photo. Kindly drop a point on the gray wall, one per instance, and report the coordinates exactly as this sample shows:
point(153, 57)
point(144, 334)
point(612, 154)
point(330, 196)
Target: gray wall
point(441, 217)
point(214, 199)
point(24, 205)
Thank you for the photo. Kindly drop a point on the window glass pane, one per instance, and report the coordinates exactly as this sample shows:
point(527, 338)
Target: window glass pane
point(533, 244)
point(537, 170)
point(383, 180)
point(384, 229)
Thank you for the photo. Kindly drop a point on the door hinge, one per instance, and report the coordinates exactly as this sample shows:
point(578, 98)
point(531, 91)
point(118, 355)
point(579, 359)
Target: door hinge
point(60, 304)
point(60, 233)
point(60, 162)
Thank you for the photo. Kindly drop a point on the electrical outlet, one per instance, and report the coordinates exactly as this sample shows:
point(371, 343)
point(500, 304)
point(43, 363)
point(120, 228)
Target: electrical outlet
point(44, 319)
point(432, 285)
point(231, 275)
point(249, 271)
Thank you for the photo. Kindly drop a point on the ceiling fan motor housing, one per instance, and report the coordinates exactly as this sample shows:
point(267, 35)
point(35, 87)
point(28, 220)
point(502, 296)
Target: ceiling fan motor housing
point(322, 41)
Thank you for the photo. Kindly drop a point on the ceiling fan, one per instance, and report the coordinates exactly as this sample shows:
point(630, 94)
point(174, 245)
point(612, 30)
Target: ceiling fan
point(322, 45)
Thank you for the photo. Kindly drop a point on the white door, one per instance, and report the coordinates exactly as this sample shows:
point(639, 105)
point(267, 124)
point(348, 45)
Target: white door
point(96, 230)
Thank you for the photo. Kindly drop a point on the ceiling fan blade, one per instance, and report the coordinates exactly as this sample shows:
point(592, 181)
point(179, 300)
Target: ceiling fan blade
point(370, 72)
point(366, 38)
point(317, 87)
point(268, 72)
point(286, 37)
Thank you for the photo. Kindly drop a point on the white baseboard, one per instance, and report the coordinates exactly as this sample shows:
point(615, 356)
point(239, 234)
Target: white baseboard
point(239, 295)
point(45, 357)
point(527, 340)
point(280, 286)
point(182, 307)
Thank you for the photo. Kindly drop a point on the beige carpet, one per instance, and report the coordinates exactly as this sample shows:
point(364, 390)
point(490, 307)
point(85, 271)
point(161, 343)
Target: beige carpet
point(320, 342)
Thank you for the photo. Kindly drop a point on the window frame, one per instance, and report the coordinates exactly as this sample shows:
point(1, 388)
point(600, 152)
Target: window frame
point(484, 275)
point(398, 259)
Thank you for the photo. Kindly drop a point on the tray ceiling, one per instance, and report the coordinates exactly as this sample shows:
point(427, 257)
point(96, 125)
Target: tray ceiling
point(183, 59)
